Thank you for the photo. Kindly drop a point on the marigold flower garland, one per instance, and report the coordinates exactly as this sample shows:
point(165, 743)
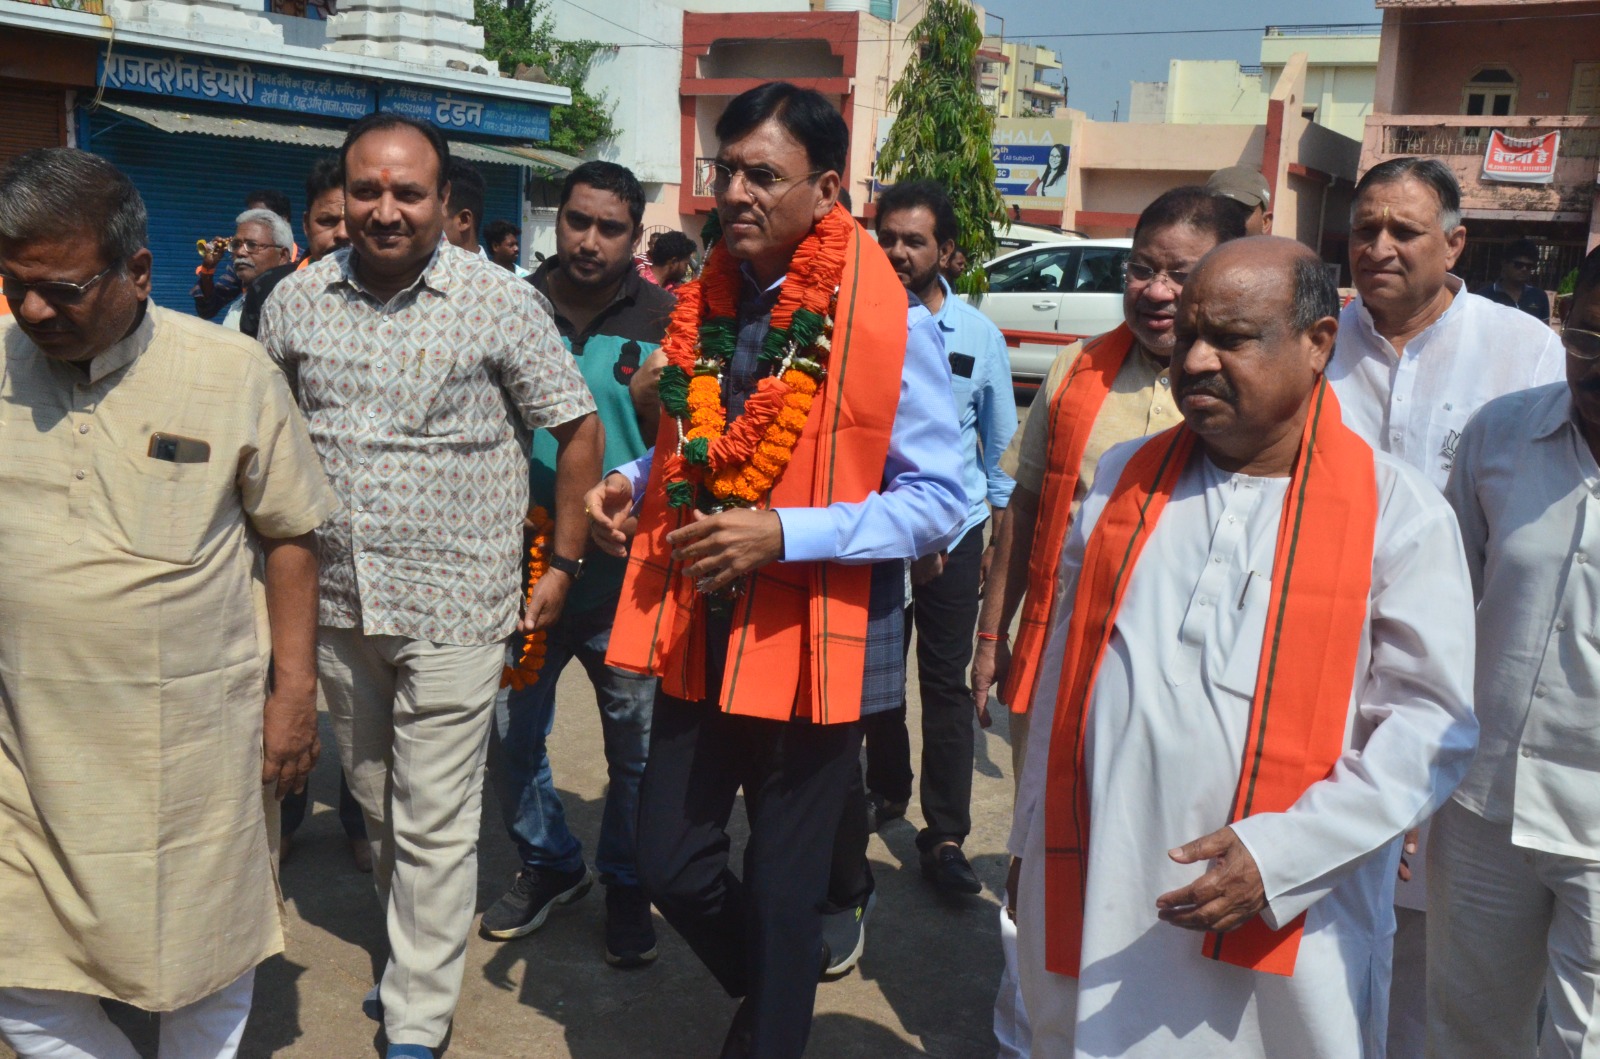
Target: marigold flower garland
point(717, 466)
point(530, 659)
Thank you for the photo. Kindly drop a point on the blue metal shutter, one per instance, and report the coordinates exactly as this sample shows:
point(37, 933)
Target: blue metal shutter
point(195, 185)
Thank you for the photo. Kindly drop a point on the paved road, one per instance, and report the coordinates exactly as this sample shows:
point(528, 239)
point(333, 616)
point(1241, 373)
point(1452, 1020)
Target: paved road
point(924, 987)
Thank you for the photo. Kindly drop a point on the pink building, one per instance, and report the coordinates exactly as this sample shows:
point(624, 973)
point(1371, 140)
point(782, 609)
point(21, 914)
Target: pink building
point(1450, 72)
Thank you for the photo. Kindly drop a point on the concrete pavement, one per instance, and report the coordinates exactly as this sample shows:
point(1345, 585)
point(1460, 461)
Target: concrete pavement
point(924, 987)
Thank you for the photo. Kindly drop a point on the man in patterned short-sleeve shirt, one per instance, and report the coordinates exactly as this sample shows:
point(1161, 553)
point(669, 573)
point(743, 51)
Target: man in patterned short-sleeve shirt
point(422, 370)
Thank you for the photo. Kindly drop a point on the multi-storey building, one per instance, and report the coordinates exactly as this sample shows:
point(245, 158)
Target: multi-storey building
point(1451, 74)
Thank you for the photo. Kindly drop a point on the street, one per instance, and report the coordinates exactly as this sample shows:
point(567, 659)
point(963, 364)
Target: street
point(924, 987)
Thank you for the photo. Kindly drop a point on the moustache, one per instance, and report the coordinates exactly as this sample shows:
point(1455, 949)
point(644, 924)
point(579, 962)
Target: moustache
point(1212, 385)
point(1591, 384)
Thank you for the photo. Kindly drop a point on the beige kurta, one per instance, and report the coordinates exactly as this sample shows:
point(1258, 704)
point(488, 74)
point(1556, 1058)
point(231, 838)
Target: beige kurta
point(133, 651)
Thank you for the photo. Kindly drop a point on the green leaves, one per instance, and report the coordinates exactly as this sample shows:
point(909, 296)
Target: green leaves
point(943, 129)
point(523, 32)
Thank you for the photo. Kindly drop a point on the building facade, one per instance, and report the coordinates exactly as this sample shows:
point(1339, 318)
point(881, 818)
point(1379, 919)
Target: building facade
point(1450, 75)
point(203, 101)
point(1341, 74)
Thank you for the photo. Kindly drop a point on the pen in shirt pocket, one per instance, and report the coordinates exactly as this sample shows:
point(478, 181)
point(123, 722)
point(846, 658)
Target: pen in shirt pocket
point(1245, 592)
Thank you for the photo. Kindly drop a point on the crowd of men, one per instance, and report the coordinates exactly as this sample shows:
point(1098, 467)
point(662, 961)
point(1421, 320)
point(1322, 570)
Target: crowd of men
point(1290, 580)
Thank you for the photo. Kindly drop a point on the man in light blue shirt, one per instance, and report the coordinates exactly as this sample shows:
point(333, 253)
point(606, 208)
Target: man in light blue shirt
point(781, 150)
point(917, 230)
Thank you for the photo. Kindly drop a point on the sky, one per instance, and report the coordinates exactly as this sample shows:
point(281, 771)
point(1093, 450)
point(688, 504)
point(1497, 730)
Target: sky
point(1099, 69)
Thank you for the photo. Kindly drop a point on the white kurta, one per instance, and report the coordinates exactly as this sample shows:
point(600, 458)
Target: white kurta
point(1166, 736)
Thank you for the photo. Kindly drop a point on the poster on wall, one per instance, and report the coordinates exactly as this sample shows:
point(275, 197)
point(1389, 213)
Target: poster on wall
point(1031, 157)
point(1521, 161)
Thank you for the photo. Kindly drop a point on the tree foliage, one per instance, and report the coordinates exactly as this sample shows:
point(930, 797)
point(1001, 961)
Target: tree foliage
point(516, 32)
point(942, 130)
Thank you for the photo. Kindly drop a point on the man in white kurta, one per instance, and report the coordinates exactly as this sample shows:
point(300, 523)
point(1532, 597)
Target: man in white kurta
point(1165, 738)
point(1417, 355)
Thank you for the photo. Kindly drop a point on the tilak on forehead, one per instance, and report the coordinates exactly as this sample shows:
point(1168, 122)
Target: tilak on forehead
point(383, 174)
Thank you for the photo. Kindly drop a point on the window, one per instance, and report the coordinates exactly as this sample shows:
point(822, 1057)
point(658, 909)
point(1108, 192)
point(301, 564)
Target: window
point(1492, 91)
point(1100, 271)
point(1039, 272)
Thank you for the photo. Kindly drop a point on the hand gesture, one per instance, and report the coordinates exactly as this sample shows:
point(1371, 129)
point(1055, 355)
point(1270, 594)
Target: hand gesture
point(1226, 896)
point(609, 506)
point(719, 549)
point(215, 251)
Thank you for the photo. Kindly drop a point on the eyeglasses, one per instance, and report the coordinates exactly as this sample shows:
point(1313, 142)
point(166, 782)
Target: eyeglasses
point(56, 292)
point(250, 246)
point(1524, 264)
point(761, 181)
point(1137, 274)
point(1585, 345)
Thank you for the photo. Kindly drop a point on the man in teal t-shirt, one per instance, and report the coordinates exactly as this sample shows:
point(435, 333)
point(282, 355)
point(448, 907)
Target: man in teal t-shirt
point(613, 321)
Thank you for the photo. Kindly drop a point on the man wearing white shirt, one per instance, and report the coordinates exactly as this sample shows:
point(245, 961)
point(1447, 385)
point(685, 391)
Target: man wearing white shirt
point(1417, 355)
point(1514, 879)
point(1256, 681)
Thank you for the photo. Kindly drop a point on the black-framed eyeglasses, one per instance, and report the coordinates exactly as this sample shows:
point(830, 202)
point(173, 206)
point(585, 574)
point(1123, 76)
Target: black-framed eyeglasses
point(760, 180)
point(1139, 274)
point(250, 246)
point(1524, 264)
point(54, 291)
point(1585, 345)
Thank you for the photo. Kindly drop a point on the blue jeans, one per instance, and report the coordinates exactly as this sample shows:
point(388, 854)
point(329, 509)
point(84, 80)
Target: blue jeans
point(522, 722)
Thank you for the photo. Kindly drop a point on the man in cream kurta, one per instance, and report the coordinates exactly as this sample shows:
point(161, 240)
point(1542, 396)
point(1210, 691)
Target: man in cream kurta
point(134, 634)
point(1166, 734)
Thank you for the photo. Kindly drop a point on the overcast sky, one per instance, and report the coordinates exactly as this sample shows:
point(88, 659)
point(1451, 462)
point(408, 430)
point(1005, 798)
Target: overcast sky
point(1098, 69)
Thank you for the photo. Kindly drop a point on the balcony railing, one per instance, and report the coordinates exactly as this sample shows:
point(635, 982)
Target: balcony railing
point(1353, 29)
point(1460, 141)
point(702, 178)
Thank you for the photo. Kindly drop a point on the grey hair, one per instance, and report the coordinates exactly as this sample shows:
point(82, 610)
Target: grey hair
point(1315, 296)
point(1430, 171)
point(52, 190)
point(282, 234)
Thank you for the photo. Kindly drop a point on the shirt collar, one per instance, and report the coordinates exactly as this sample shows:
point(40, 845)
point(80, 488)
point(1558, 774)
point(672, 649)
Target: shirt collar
point(627, 294)
point(1458, 294)
point(944, 306)
point(126, 351)
point(1552, 413)
point(437, 275)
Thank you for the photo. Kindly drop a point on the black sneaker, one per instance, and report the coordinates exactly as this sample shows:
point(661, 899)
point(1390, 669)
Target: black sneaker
point(533, 893)
point(844, 938)
point(880, 811)
point(946, 867)
point(630, 934)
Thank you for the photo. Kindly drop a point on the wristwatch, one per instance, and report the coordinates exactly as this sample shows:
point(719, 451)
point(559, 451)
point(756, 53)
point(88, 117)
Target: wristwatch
point(571, 567)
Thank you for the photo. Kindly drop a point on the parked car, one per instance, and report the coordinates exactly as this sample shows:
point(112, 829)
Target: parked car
point(1067, 289)
point(1016, 235)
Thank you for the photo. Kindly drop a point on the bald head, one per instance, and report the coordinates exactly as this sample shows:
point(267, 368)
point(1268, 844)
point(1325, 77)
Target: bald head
point(1255, 328)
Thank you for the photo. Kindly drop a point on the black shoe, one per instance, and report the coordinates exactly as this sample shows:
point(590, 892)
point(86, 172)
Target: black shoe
point(844, 938)
point(534, 892)
point(630, 934)
point(880, 811)
point(946, 867)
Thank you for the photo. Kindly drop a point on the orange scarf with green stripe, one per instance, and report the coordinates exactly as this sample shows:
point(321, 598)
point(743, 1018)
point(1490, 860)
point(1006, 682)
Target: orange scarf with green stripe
point(1073, 409)
point(1321, 580)
point(797, 647)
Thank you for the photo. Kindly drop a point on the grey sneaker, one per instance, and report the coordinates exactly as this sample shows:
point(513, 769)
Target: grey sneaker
point(533, 894)
point(844, 938)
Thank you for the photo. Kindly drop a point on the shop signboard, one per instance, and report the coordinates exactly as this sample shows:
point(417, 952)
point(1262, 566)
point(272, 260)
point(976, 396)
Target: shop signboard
point(212, 80)
point(1530, 160)
point(1031, 158)
point(462, 112)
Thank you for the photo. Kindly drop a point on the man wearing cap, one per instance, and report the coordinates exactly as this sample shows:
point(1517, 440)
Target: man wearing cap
point(1245, 185)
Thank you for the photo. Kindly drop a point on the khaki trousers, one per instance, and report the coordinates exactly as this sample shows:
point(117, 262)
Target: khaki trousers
point(1506, 924)
point(412, 720)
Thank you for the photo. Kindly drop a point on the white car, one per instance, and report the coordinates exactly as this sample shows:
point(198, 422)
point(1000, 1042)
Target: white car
point(1066, 290)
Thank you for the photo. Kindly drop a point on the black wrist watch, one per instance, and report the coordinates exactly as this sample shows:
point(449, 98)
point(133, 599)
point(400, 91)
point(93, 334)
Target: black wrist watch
point(571, 567)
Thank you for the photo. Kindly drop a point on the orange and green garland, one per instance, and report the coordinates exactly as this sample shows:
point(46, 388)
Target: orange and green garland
point(530, 659)
point(718, 465)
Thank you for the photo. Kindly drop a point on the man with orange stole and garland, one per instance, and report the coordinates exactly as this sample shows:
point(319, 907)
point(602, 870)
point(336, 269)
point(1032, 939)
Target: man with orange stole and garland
point(1256, 682)
point(808, 447)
